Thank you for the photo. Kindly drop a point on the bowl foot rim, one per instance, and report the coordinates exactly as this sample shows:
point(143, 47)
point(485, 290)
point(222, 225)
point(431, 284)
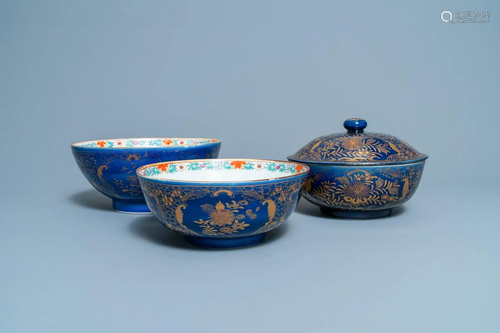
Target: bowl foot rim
point(353, 214)
point(225, 243)
point(131, 207)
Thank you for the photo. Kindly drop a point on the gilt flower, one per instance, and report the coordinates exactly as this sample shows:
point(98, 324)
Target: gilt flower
point(220, 216)
point(356, 192)
point(352, 143)
point(226, 230)
point(239, 225)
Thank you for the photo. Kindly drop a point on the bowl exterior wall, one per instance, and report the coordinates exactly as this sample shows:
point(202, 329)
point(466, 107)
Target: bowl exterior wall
point(362, 188)
point(225, 211)
point(113, 171)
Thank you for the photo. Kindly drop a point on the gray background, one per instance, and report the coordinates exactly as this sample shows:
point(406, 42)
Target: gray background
point(265, 77)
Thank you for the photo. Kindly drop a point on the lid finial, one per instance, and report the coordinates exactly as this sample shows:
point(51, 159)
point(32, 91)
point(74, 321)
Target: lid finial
point(355, 125)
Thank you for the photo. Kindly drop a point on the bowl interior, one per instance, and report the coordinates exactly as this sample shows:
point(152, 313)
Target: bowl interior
point(143, 143)
point(222, 170)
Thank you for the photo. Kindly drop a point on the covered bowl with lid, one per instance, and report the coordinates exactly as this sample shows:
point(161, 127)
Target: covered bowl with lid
point(357, 174)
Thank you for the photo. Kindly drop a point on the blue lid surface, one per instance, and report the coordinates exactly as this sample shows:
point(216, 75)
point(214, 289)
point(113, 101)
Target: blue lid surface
point(357, 147)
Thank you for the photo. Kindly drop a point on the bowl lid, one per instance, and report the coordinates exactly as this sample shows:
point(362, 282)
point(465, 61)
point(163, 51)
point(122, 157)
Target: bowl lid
point(357, 147)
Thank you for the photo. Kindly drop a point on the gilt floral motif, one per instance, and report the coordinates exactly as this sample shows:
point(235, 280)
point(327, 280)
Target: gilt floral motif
point(226, 218)
point(361, 147)
point(112, 171)
point(366, 188)
point(228, 211)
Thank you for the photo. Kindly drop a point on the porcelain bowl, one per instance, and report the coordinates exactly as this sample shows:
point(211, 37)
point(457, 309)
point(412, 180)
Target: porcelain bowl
point(222, 203)
point(110, 165)
point(362, 191)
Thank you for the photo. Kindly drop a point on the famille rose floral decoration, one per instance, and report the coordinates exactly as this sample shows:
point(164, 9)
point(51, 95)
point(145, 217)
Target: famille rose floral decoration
point(275, 167)
point(138, 143)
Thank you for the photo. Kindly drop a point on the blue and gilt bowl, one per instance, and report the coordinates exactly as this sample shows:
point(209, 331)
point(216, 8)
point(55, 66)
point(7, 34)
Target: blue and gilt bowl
point(110, 165)
point(358, 174)
point(222, 203)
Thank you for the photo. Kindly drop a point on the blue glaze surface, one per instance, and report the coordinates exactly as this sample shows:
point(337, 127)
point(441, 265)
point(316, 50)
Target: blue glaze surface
point(360, 175)
point(362, 188)
point(354, 214)
point(225, 243)
point(223, 214)
point(357, 147)
point(355, 125)
point(131, 206)
point(112, 171)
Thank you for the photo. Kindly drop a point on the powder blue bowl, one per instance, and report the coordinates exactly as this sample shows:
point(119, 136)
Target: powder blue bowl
point(358, 174)
point(362, 192)
point(222, 203)
point(110, 165)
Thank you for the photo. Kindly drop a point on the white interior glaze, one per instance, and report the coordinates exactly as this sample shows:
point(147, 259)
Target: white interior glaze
point(143, 143)
point(222, 170)
point(220, 175)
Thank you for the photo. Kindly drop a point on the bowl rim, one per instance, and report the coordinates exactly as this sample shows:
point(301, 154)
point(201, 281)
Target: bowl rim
point(422, 158)
point(303, 172)
point(211, 141)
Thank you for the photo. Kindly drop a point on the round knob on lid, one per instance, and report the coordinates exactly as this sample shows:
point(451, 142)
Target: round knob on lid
point(355, 125)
